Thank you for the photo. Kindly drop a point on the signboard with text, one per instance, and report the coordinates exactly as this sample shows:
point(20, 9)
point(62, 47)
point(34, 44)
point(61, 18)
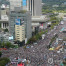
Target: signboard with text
point(24, 2)
point(17, 21)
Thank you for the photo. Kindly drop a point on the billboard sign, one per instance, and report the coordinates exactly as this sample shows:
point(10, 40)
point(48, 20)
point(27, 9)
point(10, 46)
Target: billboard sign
point(17, 21)
point(24, 2)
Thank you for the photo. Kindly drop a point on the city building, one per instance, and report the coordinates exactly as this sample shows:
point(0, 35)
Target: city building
point(34, 6)
point(20, 32)
point(25, 18)
point(4, 24)
point(4, 16)
point(15, 3)
point(5, 37)
point(38, 20)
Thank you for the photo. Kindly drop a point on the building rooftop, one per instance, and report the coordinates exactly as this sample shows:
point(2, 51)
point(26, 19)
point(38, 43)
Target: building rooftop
point(40, 18)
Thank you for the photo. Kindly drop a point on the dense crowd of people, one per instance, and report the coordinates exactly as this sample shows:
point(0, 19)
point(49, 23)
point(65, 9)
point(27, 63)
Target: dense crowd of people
point(37, 54)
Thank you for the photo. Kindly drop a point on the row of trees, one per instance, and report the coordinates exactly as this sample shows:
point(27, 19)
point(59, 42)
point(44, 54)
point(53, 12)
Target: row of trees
point(4, 61)
point(54, 20)
point(64, 39)
point(0, 54)
point(37, 36)
point(6, 45)
point(49, 9)
point(53, 38)
point(64, 62)
point(52, 2)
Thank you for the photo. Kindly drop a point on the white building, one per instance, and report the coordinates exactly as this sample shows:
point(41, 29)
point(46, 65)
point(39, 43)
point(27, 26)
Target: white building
point(4, 16)
point(15, 3)
point(5, 37)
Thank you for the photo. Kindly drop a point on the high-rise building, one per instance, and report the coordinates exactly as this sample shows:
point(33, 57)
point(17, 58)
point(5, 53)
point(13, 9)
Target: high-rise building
point(20, 32)
point(15, 3)
point(25, 18)
point(34, 6)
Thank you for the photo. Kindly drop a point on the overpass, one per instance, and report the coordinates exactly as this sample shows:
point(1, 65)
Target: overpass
point(40, 21)
point(39, 18)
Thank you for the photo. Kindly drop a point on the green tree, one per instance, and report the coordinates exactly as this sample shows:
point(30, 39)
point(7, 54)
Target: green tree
point(0, 44)
point(0, 54)
point(4, 61)
point(3, 44)
point(6, 30)
point(0, 25)
point(8, 44)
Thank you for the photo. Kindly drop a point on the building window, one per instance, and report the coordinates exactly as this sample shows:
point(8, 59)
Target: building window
point(17, 34)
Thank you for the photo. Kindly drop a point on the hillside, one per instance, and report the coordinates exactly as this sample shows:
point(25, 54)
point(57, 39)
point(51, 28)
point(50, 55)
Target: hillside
point(50, 6)
point(52, 2)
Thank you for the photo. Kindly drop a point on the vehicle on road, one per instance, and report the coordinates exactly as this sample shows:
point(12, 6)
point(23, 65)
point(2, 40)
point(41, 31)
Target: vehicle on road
point(58, 47)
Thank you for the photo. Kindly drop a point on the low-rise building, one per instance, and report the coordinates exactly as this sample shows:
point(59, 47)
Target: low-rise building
point(5, 37)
